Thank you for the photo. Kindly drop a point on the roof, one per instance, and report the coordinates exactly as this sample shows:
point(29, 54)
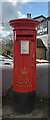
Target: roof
point(44, 39)
point(39, 17)
point(46, 19)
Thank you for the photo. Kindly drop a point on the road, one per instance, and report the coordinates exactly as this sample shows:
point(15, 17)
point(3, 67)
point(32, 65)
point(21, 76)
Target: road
point(42, 78)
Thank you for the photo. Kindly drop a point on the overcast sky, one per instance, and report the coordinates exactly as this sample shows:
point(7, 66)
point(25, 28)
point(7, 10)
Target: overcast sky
point(12, 9)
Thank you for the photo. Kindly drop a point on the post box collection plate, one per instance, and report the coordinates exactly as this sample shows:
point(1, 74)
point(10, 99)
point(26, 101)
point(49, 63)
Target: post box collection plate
point(24, 47)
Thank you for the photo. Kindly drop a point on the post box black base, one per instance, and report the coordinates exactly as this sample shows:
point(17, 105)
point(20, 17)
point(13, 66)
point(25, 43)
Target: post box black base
point(24, 103)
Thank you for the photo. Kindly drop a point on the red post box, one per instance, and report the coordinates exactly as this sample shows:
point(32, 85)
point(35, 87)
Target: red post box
point(24, 83)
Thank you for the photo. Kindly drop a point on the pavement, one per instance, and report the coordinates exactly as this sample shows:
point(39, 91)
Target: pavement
point(9, 113)
point(41, 110)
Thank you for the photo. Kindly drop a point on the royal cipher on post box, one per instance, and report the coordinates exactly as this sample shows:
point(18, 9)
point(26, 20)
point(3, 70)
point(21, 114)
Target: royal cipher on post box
point(24, 72)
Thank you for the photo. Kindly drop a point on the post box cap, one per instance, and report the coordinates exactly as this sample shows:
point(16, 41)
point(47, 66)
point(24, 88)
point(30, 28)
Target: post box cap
point(24, 23)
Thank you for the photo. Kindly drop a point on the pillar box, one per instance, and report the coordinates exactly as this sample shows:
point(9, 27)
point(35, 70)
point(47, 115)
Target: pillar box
point(24, 56)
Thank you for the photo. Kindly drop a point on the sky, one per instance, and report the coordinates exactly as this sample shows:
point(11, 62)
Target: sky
point(14, 10)
point(35, 8)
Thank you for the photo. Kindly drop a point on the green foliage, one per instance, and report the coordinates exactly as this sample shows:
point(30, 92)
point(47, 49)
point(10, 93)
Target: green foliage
point(3, 54)
point(7, 48)
point(8, 51)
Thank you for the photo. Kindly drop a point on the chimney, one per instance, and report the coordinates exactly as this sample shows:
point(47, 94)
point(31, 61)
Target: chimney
point(28, 16)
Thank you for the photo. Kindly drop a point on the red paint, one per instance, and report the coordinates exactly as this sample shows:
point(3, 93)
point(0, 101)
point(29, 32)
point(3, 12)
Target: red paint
point(24, 64)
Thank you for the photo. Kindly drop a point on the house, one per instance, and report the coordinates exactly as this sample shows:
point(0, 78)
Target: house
point(42, 35)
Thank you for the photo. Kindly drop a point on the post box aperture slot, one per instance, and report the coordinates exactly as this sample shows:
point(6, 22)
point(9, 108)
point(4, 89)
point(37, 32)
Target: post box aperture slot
point(19, 35)
point(24, 47)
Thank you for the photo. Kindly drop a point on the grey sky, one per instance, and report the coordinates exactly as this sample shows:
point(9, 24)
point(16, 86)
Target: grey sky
point(9, 11)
